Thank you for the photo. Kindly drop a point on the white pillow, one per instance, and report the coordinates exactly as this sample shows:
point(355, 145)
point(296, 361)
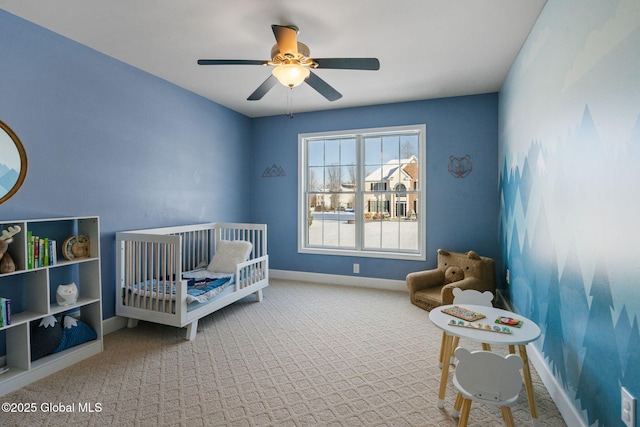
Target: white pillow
point(228, 254)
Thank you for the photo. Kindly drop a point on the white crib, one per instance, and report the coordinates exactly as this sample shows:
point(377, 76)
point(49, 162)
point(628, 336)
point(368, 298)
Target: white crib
point(161, 255)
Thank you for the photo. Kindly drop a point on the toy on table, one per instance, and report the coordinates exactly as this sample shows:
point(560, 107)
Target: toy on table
point(463, 313)
point(509, 321)
point(480, 326)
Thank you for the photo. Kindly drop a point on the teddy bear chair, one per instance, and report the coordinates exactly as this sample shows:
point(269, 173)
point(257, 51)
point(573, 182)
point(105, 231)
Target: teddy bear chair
point(466, 296)
point(486, 377)
point(432, 288)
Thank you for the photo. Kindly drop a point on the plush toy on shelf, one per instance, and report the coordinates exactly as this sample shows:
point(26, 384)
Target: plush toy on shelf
point(7, 265)
point(67, 294)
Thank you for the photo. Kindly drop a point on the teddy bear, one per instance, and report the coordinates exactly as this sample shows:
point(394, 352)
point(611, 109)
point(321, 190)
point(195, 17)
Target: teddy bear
point(453, 274)
point(7, 265)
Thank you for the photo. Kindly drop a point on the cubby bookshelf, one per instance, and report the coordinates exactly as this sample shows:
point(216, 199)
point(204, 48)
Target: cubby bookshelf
point(33, 296)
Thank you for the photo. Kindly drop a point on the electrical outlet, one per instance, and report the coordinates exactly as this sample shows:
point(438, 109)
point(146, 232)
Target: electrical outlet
point(628, 408)
point(356, 268)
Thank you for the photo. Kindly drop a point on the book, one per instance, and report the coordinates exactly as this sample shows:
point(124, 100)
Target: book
point(29, 250)
point(463, 313)
point(5, 312)
point(45, 250)
point(53, 257)
point(41, 251)
point(36, 251)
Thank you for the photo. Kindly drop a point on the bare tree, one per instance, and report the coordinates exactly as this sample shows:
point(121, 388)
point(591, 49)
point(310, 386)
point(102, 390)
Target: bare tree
point(313, 186)
point(407, 150)
point(333, 183)
point(313, 182)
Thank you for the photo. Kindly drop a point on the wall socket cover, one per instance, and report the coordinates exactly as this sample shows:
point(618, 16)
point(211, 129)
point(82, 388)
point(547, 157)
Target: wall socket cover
point(627, 408)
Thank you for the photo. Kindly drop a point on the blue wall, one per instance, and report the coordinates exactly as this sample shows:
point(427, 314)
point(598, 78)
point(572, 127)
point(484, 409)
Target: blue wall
point(569, 175)
point(461, 212)
point(106, 139)
point(103, 138)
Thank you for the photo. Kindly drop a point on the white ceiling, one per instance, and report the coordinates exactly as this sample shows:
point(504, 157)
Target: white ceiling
point(427, 48)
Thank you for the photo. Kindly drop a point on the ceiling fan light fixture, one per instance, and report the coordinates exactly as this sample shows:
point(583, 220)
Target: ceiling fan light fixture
point(290, 75)
point(292, 64)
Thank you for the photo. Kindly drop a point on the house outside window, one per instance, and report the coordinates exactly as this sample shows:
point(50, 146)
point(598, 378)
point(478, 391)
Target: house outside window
point(362, 192)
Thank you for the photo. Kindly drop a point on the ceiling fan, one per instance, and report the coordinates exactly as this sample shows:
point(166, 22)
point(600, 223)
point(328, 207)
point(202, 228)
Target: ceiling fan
point(292, 65)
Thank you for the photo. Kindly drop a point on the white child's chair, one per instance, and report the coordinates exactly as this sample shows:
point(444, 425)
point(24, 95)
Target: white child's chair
point(467, 296)
point(487, 377)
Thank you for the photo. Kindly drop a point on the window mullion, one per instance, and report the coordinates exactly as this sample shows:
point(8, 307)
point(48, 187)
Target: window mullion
point(359, 193)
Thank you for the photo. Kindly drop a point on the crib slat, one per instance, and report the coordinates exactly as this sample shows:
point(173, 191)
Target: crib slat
point(155, 293)
point(173, 275)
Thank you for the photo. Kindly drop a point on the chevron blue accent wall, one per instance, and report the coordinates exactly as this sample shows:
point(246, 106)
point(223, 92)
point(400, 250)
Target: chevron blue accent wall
point(569, 191)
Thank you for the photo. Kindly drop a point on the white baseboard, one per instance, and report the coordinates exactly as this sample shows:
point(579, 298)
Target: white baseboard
point(336, 279)
point(113, 324)
point(559, 396)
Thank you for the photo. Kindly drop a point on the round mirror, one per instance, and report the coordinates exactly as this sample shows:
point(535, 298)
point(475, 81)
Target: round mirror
point(13, 163)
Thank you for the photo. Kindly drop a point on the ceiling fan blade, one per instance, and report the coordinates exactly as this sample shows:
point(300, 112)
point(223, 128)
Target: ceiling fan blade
point(231, 62)
point(263, 89)
point(323, 87)
point(348, 63)
point(287, 39)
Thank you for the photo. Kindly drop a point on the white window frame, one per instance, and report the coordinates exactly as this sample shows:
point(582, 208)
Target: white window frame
point(303, 247)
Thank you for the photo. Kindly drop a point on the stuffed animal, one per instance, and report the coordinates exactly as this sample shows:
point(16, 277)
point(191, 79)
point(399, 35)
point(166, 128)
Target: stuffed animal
point(67, 294)
point(457, 265)
point(453, 274)
point(7, 265)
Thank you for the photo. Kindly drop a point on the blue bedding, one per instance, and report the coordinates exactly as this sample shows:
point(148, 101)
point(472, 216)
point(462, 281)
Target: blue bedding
point(198, 290)
point(204, 290)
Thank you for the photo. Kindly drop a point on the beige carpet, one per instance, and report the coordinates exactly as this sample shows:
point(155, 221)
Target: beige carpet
point(308, 355)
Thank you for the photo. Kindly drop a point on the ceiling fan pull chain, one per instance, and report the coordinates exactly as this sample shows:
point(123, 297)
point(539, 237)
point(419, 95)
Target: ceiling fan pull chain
point(290, 103)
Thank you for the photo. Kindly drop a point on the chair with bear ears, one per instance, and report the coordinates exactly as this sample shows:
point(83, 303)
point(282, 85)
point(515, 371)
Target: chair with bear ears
point(432, 288)
point(467, 296)
point(487, 377)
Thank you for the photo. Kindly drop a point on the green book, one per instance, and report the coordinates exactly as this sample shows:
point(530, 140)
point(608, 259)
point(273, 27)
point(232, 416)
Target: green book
point(3, 314)
point(29, 250)
point(45, 250)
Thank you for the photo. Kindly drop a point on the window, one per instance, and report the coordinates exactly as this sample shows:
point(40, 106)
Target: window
point(362, 192)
